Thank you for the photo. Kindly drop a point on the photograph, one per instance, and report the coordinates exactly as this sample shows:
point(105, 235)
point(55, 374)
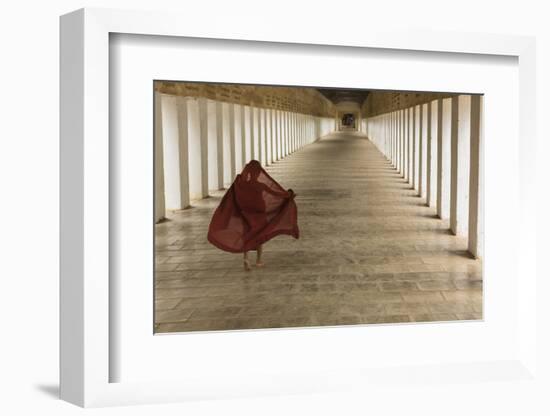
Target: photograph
point(295, 207)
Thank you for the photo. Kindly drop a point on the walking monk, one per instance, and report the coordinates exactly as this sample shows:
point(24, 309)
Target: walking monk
point(253, 210)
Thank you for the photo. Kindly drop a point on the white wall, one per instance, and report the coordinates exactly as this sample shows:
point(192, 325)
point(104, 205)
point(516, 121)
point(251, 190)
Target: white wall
point(326, 126)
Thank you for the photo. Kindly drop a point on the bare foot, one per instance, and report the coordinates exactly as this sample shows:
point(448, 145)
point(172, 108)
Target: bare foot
point(259, 264)
point(246, 264)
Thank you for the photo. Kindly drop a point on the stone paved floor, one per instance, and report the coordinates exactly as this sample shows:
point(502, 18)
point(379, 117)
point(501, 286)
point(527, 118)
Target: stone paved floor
point(369, 252)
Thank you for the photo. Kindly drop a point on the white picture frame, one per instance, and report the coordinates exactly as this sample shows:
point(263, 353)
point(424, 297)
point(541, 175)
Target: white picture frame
point(86, 355)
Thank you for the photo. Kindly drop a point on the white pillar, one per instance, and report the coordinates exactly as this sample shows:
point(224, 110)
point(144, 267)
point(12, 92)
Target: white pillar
point(288, 133)
point(302, 135)
point(439, 175)
point(195, 149)
point(476, 138)
point(463, 164)
point(279, 134)
point(408, 156)
point(284, 135)
point(405, 148)
point(227, 132)
point(294, 144)
point(420, 149)
point(299, 127)
point(317, 127)
point(219, 141)
point(429, 154)
point(292, 131)
point(159, 161)
point(393, 139)
point(273, 131)
point(454, 165)
point(243, 136)
point(297, 130)
point(414, 145)
point(397, 138)
point(264, 160)
point(170, 141)
point(434, 152)
point(387, 135)
point(444, 159)
point(397, 142)
point(252, 132)
point(275, 135)
point(232, 144)
point(306, 128)
point(183, 151)
point(401, 118)
point(270, 147)
point(212, 134)
point(258, 142)
point(203, 115)
point(404, 143)
point(390, 136)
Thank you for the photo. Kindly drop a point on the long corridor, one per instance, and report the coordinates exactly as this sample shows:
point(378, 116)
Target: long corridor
point(370, 251)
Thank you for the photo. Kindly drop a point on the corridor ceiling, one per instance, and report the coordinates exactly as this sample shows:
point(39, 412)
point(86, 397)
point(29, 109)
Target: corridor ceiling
point(337, 95)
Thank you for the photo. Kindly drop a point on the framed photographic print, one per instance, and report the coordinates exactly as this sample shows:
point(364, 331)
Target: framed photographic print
point(367, 239)
point(274, 214)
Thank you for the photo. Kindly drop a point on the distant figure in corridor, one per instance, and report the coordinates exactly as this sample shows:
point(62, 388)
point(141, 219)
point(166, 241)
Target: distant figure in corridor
point(253, 210)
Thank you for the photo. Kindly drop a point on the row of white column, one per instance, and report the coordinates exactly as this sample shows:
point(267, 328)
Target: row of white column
point(202, 144)
point(437, 147)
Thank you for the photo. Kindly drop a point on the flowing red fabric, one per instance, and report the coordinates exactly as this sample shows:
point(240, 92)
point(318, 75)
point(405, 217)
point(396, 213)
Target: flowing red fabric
point(253, 210)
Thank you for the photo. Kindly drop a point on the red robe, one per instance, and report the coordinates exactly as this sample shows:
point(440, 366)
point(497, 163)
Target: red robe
point(253, 210)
